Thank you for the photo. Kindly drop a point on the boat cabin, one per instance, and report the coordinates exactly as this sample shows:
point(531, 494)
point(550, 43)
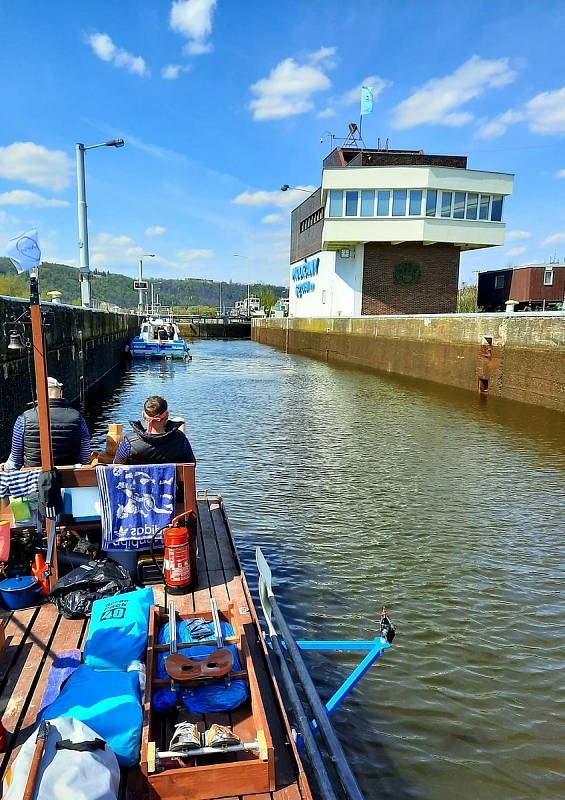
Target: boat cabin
point(158, 329)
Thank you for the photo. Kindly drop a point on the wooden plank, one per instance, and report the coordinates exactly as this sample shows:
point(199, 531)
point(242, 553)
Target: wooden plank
point(67, 637)
point(286, 770)
point(205, 782)
point(291, 792)
point(86, 476)
point(16, 635)
point(21, 680)
point(230, 563)
point(213, 560)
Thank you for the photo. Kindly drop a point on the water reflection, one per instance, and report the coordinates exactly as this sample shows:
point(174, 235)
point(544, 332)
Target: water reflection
point(365, 489)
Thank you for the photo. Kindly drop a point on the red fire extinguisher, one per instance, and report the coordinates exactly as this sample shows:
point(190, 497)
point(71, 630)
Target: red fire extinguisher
point(179, 556)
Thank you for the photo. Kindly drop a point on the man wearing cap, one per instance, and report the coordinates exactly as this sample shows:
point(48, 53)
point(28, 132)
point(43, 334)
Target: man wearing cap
point(161, 443)
point(70, 438)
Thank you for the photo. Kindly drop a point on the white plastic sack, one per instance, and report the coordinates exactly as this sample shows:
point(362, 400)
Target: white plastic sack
point(65, 774)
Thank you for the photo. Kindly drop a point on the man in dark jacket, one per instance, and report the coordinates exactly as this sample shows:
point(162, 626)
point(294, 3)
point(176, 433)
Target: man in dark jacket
point(161, 443)
point(70, 438)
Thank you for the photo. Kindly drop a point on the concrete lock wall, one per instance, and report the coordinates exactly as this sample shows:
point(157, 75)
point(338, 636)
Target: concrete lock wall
point(516, 356)
point(82, 347)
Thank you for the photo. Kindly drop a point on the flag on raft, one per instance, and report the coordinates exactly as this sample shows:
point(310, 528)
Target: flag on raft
point(366, 100)
point(23, 251)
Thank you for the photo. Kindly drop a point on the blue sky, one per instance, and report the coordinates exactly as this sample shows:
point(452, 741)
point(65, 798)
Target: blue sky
point(222, 102)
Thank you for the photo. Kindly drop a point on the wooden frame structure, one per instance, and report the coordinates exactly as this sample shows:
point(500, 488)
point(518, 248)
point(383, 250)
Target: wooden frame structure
point(83, 477)
point(208, 777)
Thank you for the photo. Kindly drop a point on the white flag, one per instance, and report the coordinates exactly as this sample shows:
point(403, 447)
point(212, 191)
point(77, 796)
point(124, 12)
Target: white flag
point(23, 251)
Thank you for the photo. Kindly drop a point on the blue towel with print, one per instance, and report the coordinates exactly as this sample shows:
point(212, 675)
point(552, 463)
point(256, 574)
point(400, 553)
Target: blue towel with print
point(135, 502)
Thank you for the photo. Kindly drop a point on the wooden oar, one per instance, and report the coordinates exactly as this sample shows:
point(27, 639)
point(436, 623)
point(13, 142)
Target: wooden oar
point(42, 736)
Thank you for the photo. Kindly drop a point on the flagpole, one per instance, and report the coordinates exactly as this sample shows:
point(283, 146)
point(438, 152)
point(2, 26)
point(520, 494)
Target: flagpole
point(40, 364)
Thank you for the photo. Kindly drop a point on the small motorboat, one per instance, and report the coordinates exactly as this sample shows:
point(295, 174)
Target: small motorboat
point(159, 338)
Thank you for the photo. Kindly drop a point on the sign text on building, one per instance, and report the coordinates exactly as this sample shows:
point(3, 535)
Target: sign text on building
point(306, 270)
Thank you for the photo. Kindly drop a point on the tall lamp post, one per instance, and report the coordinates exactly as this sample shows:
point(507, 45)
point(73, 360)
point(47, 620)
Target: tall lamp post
point(84, 262)
point(140, 303)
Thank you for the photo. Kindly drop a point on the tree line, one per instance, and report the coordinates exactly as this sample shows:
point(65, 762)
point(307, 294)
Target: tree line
point(110, 287)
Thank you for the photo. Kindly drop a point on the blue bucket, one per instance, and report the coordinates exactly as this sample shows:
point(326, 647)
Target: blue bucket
point(21, 592)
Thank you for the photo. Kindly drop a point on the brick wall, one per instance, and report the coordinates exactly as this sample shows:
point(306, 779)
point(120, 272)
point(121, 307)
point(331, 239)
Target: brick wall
point(433, 292)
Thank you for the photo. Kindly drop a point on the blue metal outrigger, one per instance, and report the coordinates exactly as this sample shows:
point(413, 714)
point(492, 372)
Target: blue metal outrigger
point(317, 718)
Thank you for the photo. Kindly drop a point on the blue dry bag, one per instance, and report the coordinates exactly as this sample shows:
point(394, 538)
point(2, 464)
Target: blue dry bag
point(109, 703)
point(117, 634)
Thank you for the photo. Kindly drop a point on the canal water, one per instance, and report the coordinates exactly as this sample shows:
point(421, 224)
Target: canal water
point(366, 490)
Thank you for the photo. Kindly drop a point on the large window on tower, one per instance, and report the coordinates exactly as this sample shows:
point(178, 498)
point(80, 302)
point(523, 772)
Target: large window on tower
point(399, 202)
point(383, 203)
point(446, 198)
point(351, 199)
point(431, 202)
point(415, 205)
point(496, 208)
point(368, 203)
point(336, 203)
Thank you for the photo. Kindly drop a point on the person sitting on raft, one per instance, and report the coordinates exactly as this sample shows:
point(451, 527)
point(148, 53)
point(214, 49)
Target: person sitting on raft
point(70, 437)
point(161, 443)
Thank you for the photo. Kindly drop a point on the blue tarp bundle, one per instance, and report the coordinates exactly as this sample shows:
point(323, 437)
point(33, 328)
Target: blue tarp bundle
point(210, 698)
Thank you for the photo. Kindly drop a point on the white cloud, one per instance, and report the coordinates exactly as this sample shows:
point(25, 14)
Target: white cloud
point(326, 112)
point(324, 55)
point(197, 48)
point(544, 113)
point(286, 200)
point(289, 87)
point(372, 81)
point(109, 250)
point(560, 174)
point(438, 100)
point(271, 219)
point(23, 197)
point(35, 164)
point(193, 20)
point(515, 251)
point(172, 71)
point(498, 125)
point(518, 235)
point(103, 46)
point(554, 238)
point(193, 255)
point(155, 230)
point(7, 221)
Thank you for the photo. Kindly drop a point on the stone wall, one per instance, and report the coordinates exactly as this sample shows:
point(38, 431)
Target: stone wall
point(434, 289)
point(82, 347)
point(516, 356)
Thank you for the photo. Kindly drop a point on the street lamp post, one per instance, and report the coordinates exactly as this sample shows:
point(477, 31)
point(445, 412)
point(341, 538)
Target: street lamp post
point(285, 187)
point(84, 262)
point(140, 302)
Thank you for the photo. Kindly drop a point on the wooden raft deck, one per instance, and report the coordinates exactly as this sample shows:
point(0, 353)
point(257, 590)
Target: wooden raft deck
point(35, 636)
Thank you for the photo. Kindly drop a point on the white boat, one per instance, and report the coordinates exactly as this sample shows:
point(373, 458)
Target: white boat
point(159, 337)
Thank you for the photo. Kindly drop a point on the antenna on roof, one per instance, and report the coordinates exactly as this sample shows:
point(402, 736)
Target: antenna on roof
point(354, 137)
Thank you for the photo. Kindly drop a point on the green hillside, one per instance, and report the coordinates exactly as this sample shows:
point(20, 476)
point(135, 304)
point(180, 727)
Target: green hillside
point(117, 289)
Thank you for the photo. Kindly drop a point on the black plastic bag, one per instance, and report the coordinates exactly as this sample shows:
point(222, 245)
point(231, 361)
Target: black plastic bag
point(75, 593)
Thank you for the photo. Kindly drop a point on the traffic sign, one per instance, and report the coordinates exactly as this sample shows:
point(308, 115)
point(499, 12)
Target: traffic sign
point(137, 285)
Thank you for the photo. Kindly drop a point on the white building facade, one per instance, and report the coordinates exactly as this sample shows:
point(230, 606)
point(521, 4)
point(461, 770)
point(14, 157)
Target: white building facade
point(384, 236)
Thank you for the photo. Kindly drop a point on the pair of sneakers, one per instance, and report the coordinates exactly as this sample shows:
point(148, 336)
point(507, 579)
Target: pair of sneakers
point(188, 737)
